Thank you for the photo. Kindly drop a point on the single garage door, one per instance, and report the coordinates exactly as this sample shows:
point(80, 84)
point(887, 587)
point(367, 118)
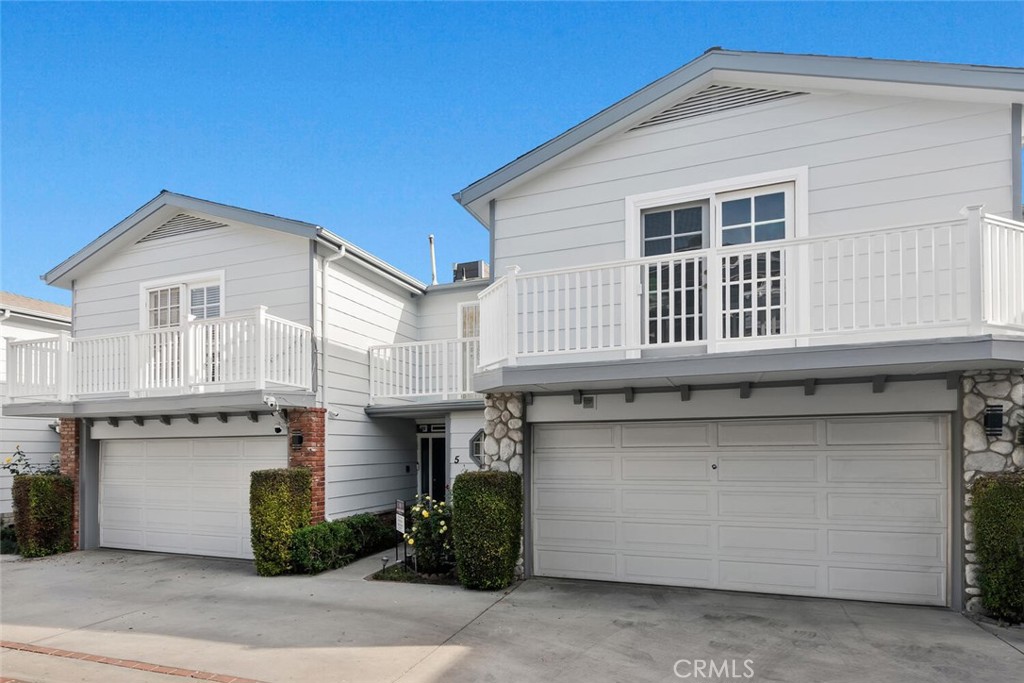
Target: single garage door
point(182, 495)
point(848, 508)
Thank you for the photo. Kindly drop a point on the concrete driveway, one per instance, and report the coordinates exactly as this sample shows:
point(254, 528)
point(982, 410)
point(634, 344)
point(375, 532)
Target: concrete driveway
point(206, 618)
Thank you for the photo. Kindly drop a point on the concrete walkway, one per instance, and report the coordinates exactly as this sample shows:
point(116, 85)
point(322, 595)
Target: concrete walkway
point(217, 616)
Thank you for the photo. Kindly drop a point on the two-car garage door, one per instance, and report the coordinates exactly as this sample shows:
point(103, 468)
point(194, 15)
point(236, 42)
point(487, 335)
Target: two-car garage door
point(182, 495)
point(836, 507)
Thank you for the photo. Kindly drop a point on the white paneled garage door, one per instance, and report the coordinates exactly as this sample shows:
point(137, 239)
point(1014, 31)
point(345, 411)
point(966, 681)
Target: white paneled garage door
point(847, 508)
point(182, 495)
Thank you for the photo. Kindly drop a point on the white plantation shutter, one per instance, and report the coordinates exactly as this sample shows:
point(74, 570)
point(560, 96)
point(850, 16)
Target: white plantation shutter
point(205, 302)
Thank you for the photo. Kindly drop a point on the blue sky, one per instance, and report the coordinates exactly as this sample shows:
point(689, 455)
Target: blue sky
point(363, 118)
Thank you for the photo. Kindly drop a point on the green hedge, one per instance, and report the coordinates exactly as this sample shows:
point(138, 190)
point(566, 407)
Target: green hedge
point(372, 534)
point(998, 504)
point(43, 508)
point(279, 503)
point(324, 546)
point(488, 519)
point(330, 545)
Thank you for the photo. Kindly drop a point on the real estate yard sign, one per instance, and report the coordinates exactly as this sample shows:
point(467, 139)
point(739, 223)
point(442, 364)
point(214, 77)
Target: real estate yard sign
point(400, 516)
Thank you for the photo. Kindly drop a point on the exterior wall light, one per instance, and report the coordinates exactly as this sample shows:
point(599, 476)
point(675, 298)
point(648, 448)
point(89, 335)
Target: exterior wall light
point(994, 420)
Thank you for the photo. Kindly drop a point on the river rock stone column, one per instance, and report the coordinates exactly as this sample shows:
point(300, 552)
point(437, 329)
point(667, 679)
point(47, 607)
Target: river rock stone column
point(504, 420)
point(504, 425)
point(984, 454)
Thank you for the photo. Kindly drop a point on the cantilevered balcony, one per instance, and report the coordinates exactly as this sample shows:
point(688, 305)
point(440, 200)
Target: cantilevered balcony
point(954, 279)
point(240, 353)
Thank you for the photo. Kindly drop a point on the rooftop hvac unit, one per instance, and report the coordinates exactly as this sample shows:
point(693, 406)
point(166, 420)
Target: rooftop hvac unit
point(470, 270)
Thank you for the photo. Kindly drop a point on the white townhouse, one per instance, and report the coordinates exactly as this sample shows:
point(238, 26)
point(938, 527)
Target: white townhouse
point(208, 341)
point(23, 318)
point(766, 320)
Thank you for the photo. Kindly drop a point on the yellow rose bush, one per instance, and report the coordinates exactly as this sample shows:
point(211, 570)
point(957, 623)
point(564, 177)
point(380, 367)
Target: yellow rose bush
point(429, 535)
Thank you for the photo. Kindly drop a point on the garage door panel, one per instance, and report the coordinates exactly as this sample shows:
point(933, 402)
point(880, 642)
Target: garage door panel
point(907, 431)
point(668, 502)
point(576, 469)
point(889, 546)
point(689, 435)
point(671, 570)
point(182, 495)
point(758, 503)
point(662, 535)
point(574, 437)
point(218, 470)
point(764, 468)
point(768, 575)
point(569, 563)
point(122, 492)
point(887, 468)
point(575, 532)
point(887, 584)
point(771, 539)
point(665, 468)
point(768, 433)
point(117, 515)
point(841, 507)
point(554, 499)
point(886, 507)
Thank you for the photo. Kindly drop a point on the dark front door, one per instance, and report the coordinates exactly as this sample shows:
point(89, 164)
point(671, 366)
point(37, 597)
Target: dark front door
point(433, 476)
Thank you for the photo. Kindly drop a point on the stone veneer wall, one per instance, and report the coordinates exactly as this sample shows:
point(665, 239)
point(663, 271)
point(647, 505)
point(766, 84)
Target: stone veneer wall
point(504, 425)
point(504, 422)
point(984, 454)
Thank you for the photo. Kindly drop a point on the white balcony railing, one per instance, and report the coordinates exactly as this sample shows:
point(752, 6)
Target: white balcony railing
point(440, 369)
point(235, 353)
point(957, 277)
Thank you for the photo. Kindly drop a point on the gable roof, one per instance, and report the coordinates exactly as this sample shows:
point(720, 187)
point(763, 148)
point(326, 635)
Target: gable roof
point(170, 214)
point(988, 82)
point(16, 303)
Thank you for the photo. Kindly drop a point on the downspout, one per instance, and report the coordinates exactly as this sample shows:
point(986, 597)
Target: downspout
point(326, 263)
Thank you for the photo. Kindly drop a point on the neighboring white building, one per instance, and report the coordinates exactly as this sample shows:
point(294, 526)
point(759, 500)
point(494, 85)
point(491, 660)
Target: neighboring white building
point(23, 318)
point(756, 311)
point(203, 347)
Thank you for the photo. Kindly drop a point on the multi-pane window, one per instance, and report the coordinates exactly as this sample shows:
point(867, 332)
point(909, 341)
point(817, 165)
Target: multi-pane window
point(674, 229)
point(755, 218)
point(164, 307)
point(476, 448)
point(469, 320)
point(204, 302)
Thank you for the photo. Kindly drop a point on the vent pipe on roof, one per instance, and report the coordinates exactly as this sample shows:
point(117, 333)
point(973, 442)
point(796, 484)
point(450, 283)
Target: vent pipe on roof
point(433, 261)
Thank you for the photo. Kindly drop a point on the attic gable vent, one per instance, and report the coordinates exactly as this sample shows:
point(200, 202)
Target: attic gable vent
point(182, 224)
point(716, 98)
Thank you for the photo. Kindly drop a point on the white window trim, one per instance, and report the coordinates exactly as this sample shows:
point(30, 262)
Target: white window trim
point(636, 204)
point(213, 277)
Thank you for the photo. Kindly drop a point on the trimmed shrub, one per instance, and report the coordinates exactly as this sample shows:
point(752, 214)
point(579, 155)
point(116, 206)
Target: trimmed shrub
point(429, 533)
point(371, 533)
point(488, 521)
point(328, 545)
point(43, 508)
point(998, 503)
point(279, 503)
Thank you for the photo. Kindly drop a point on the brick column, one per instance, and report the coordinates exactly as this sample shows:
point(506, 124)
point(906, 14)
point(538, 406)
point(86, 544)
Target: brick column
point(985, 454)
point(70, 466)
point(310, 423)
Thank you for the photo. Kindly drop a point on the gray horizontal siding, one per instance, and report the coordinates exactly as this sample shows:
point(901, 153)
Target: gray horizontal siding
point(873, 162)
point(261, 268)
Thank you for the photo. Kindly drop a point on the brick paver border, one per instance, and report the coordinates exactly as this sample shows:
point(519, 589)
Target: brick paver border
point(123, 663)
